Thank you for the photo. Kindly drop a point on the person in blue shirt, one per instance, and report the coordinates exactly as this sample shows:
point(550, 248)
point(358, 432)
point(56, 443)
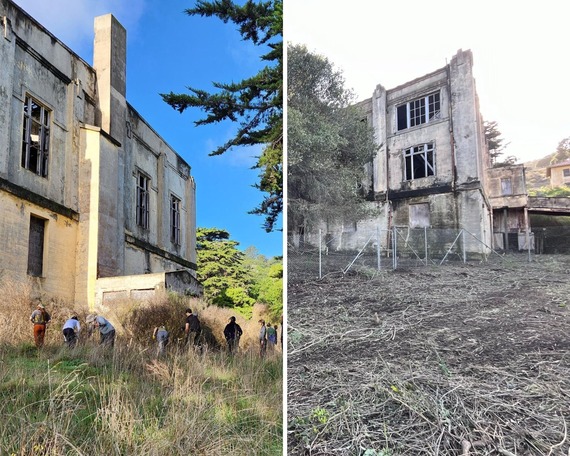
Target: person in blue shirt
point(71, 330)
point(106, 329)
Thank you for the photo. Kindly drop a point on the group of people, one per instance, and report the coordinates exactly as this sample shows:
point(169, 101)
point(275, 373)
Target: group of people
point(192, 332)
point(267, 337)
point(71, 328)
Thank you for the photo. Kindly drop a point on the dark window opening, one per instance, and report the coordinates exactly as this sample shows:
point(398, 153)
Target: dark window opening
point(142, 200)
point(419, 162)
point(36, 246)
point(174, 220)
point(419, 111)
point(35, 137)
point(566, 172)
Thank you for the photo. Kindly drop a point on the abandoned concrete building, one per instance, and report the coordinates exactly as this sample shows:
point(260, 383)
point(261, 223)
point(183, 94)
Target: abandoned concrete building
point(430, 167)
point(95, 204)
point(433, 171)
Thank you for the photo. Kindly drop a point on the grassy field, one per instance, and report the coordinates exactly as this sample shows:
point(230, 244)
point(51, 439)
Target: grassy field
point(91, 400)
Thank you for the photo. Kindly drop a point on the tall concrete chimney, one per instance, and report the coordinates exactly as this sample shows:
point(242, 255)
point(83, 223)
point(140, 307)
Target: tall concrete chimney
point(110, 63)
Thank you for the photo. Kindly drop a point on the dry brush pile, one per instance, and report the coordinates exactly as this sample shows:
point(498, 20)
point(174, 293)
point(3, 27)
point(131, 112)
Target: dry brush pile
point(465, 359)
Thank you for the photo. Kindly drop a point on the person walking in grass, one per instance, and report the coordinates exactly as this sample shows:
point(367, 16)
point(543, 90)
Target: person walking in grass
point(40, 318)
point(232, 333)
point(71, 330)
point(106, 329)
point(271, 336)
point(161, 335)
point(262, 338)
point(192, 329)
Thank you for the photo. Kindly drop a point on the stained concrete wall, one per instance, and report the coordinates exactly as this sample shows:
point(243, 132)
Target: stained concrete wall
point(97, 143)
point(454, 196)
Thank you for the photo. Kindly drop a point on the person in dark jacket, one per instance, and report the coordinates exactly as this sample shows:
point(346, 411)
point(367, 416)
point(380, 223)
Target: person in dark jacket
point(232, 333)
point(192, 329)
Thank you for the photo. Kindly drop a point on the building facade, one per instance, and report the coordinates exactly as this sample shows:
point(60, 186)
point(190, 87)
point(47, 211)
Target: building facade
point(88, 190)
point(430, 167)
point(559, 174)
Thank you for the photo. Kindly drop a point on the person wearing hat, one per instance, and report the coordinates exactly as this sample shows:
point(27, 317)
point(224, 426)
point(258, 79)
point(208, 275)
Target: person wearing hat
point(106, 329)
point(71, 330)
point(232, 333)
point(40, 318)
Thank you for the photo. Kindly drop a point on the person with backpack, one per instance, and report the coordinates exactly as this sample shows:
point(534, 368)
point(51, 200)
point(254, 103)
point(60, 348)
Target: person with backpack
point(192, 329)
point(232, 333)
point(161, 335)
point(71, 330)
point(40, 318)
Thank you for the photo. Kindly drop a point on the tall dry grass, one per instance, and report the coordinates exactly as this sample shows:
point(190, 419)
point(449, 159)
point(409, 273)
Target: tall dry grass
point(91, 400)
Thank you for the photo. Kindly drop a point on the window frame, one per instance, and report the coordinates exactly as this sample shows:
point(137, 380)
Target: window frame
point(425, 152)
point(36, 246)
point(175, 219)
point(142, 196)
point(419, 111)
point(43, 129)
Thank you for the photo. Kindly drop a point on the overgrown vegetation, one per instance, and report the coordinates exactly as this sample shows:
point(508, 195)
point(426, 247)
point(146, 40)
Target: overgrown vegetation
point(329, 144)
point(88, 400)
point(236, 279)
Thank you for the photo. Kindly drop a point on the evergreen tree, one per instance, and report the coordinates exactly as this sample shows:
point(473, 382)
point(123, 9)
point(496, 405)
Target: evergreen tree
point(221, 269)
point(267, 280)
point(329, 143)
point(255, 102)
point(495, 144)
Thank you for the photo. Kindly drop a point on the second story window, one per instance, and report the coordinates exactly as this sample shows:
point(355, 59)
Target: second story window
point(419, 161)
point(419, 111)
point(174, 220)
point(143, 185)
point(35, 137)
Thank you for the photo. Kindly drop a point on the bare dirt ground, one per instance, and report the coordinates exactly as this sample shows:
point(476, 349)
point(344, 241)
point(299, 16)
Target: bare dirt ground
point(460, 359)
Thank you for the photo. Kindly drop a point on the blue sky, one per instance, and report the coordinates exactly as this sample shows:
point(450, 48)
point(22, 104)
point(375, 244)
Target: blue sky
point(167, 50)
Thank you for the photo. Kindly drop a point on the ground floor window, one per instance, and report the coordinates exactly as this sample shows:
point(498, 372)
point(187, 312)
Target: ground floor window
point(36, 246)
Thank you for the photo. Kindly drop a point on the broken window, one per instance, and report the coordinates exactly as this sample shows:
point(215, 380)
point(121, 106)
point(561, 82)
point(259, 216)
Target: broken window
point(506, 186)
point(143, 184)
point(174, 220)
point(35, 137)
point(419, 161)
point(36, 246)
point(416, 112)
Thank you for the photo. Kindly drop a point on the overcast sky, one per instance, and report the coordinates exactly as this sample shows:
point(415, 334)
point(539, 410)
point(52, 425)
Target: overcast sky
point(168, 50)
point(520, 50)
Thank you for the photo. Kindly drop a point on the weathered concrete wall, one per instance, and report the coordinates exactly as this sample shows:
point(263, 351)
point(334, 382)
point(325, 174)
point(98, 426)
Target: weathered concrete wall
point(57, 279)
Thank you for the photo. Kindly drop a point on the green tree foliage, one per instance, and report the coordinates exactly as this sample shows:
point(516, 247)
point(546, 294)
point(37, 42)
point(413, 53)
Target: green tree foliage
point(236, 279)
point(550, 191)
point(562, 152)
point(256, 103)
point(496, 145)
point(221, 269)
point(267, 280)
point(329, 143)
